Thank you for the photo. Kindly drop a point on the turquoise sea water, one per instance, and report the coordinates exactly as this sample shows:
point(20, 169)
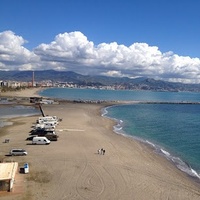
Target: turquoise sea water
point(172, 129)
point(122, 95)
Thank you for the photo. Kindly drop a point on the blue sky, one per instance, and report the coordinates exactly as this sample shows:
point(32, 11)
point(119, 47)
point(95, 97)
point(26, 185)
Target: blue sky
point(155, 38)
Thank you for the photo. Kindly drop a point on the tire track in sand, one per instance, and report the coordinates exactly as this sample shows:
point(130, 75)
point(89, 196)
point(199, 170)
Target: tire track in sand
point(89, 184)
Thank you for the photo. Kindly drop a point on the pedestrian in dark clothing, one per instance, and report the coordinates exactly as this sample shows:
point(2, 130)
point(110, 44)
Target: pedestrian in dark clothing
point(101, 150)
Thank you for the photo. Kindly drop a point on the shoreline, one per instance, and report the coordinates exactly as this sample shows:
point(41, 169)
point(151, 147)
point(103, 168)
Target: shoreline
point(127, 168)
point(157, 149)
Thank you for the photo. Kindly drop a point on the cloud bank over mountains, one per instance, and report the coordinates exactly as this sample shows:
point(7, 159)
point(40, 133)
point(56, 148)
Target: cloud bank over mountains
point(74, 52)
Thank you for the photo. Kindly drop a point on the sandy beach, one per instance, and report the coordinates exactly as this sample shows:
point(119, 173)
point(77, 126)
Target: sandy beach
point(71, 167)
point(30, 92)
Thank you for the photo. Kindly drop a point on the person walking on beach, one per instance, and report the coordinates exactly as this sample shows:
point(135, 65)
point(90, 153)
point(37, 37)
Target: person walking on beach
point(101, 150)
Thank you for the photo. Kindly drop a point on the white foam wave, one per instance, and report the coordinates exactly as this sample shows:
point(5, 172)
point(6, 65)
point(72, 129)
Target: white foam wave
point(117, 129)
point(195, 173)
point(104, 112)
point(150, 143)
point(165, 152)
point(180, 164)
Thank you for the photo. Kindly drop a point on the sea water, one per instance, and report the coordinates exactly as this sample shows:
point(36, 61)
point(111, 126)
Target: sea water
point(11, 111)
point(172, 129)
point(119, 95)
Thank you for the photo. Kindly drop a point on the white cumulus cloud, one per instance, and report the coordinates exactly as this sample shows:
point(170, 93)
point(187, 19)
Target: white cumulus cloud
point(13, 56)
point(73, 51)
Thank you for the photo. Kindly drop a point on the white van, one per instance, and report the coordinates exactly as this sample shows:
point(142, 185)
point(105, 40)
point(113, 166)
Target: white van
point(40, 140)
point(45, 125)
point(50, 119)
point(40, 121)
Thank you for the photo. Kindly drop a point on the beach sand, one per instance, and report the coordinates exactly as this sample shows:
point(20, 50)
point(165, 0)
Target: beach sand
point(28, 92)
point(71, 168)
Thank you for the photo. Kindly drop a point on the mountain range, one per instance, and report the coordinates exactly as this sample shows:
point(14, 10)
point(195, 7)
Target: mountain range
point(142, 83)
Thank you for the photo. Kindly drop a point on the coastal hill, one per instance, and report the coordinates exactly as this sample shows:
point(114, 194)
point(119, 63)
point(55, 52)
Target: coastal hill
point(142, 83)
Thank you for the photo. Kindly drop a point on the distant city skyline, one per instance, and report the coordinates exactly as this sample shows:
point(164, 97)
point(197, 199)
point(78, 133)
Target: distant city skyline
point(157, 39)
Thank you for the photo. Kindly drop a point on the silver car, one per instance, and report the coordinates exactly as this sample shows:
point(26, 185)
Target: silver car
point(18, 152)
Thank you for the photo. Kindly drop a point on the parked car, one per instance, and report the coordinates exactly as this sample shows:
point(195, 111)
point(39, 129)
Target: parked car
point(41, 131)
point(30, 138)
point(18, 152)
point(50, 137)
